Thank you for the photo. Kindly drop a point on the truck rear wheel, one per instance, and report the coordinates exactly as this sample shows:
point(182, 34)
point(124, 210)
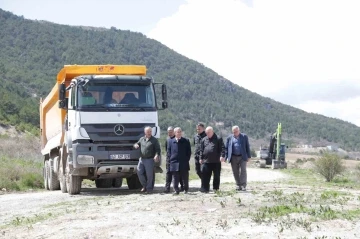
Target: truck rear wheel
point(46, 174)
point(104, 183)
point(117, 182)
point(133, 182)
point(54, 183)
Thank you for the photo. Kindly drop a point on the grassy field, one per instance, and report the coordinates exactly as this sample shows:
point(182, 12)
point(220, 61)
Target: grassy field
point(20, 163)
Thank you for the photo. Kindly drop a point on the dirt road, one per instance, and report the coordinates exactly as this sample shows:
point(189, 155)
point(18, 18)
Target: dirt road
point(121, 213)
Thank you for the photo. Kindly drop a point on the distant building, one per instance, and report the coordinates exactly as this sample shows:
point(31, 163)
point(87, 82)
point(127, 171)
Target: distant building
point(332, 147)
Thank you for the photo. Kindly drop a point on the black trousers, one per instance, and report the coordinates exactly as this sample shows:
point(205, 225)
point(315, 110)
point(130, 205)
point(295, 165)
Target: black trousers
point(168, 179)
point(198, 168)
point(207, 170)
point(179, 176)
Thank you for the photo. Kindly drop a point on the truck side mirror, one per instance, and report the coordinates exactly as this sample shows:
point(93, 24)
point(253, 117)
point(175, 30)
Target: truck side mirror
point(62, 91)
point(63, 103)
point(164, 97)
point(164, 92)
point(164, 105)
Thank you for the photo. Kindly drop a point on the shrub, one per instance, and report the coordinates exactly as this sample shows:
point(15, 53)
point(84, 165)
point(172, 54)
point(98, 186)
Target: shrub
point(253, 153)
point(329, 165)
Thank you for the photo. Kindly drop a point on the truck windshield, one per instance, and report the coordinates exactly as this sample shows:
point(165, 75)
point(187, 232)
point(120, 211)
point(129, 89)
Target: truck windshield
point(93, 95)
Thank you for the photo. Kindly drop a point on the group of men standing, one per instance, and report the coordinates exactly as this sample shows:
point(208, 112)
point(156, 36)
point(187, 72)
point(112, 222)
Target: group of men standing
point(210, 152)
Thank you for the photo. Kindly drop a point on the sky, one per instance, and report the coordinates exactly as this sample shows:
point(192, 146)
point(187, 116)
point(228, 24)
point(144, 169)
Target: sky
point(304, 53)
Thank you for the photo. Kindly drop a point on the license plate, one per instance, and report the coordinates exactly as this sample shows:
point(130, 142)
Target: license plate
point(119, 156)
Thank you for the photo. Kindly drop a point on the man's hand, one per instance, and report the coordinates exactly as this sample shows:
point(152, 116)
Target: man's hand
point(201, 161)
point(136, 146)
point(222, 159)
point(156, 158)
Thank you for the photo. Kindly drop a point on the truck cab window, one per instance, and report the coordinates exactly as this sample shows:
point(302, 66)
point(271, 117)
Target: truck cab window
point(72, 98)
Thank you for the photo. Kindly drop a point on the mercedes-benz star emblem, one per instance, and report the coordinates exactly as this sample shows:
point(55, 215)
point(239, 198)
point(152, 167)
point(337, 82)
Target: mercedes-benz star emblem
point(119, 129)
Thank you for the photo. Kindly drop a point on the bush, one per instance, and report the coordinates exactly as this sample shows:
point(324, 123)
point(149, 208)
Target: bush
point(253, 153)
point(329, 165)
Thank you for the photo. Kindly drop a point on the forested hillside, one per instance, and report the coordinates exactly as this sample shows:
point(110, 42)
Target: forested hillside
point(32, 52)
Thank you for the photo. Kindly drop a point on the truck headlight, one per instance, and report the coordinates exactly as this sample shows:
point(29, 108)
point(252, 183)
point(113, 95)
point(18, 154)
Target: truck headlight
point(85, 159)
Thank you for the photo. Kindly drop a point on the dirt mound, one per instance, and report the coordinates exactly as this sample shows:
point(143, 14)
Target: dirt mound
point(307, 165)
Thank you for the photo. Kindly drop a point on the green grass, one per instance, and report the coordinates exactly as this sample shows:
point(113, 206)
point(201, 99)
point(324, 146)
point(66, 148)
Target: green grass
point(308, 177)
point(161, 177)
point(21, 221)
point(20, 174)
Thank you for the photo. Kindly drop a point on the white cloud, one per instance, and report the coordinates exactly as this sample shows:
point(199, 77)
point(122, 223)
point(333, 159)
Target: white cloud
point(274, 47)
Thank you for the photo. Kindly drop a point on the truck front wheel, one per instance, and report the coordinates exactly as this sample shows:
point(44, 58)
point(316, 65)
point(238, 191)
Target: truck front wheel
point(117, 182)
point(133, 182)
point(73, 183)
point(103, 183)
point(62, 179)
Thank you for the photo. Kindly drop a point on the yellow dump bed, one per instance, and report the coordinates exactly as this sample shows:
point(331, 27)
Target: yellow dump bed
point(52, 117)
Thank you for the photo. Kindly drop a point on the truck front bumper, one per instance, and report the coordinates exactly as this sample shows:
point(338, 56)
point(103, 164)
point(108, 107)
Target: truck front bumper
point(94, 160)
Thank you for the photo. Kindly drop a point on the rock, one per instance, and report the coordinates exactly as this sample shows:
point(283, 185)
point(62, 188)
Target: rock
point(211, 210)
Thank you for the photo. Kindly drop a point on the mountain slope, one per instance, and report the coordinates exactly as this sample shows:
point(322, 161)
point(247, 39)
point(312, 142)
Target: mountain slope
point(32, 52)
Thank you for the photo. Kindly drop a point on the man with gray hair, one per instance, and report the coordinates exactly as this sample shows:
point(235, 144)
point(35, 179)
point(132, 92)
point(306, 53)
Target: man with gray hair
point(237, 152)
point(149, 152)
point(178, 156)
point(212, 153)
point(168, 178)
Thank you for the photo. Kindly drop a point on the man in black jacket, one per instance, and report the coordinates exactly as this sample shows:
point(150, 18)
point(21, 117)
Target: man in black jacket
point(200, 128)
point(179, 153)
point(212, 153)
point(171, 135)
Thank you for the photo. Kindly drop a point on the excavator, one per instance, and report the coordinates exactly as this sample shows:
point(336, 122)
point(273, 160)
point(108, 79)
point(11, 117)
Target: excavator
point(273, 155)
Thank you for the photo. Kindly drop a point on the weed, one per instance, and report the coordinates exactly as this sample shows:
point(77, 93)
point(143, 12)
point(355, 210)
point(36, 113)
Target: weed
point(220, 193)
point(238, 201)
point(324, 212)
point(222, 223)
point(19, 221)
point(176, 221)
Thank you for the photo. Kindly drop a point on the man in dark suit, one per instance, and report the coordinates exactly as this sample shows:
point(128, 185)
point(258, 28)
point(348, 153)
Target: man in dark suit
point(179, 153)
point(212, 152)
point(171, 135)
point(237, 152)
point(200, 129)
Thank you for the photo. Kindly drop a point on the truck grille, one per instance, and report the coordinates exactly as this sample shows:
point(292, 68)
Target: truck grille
point(106, 132)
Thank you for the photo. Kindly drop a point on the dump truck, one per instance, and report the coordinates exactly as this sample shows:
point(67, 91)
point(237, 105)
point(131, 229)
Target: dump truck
point(273, 155)
point(90, 121)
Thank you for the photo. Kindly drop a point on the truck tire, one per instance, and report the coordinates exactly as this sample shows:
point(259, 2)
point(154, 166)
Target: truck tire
point(46, 174)
point(73, 184)
point(104, 183)
point(62, 179)
point(117, 182)
point(133, 182)
point(54, 183)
